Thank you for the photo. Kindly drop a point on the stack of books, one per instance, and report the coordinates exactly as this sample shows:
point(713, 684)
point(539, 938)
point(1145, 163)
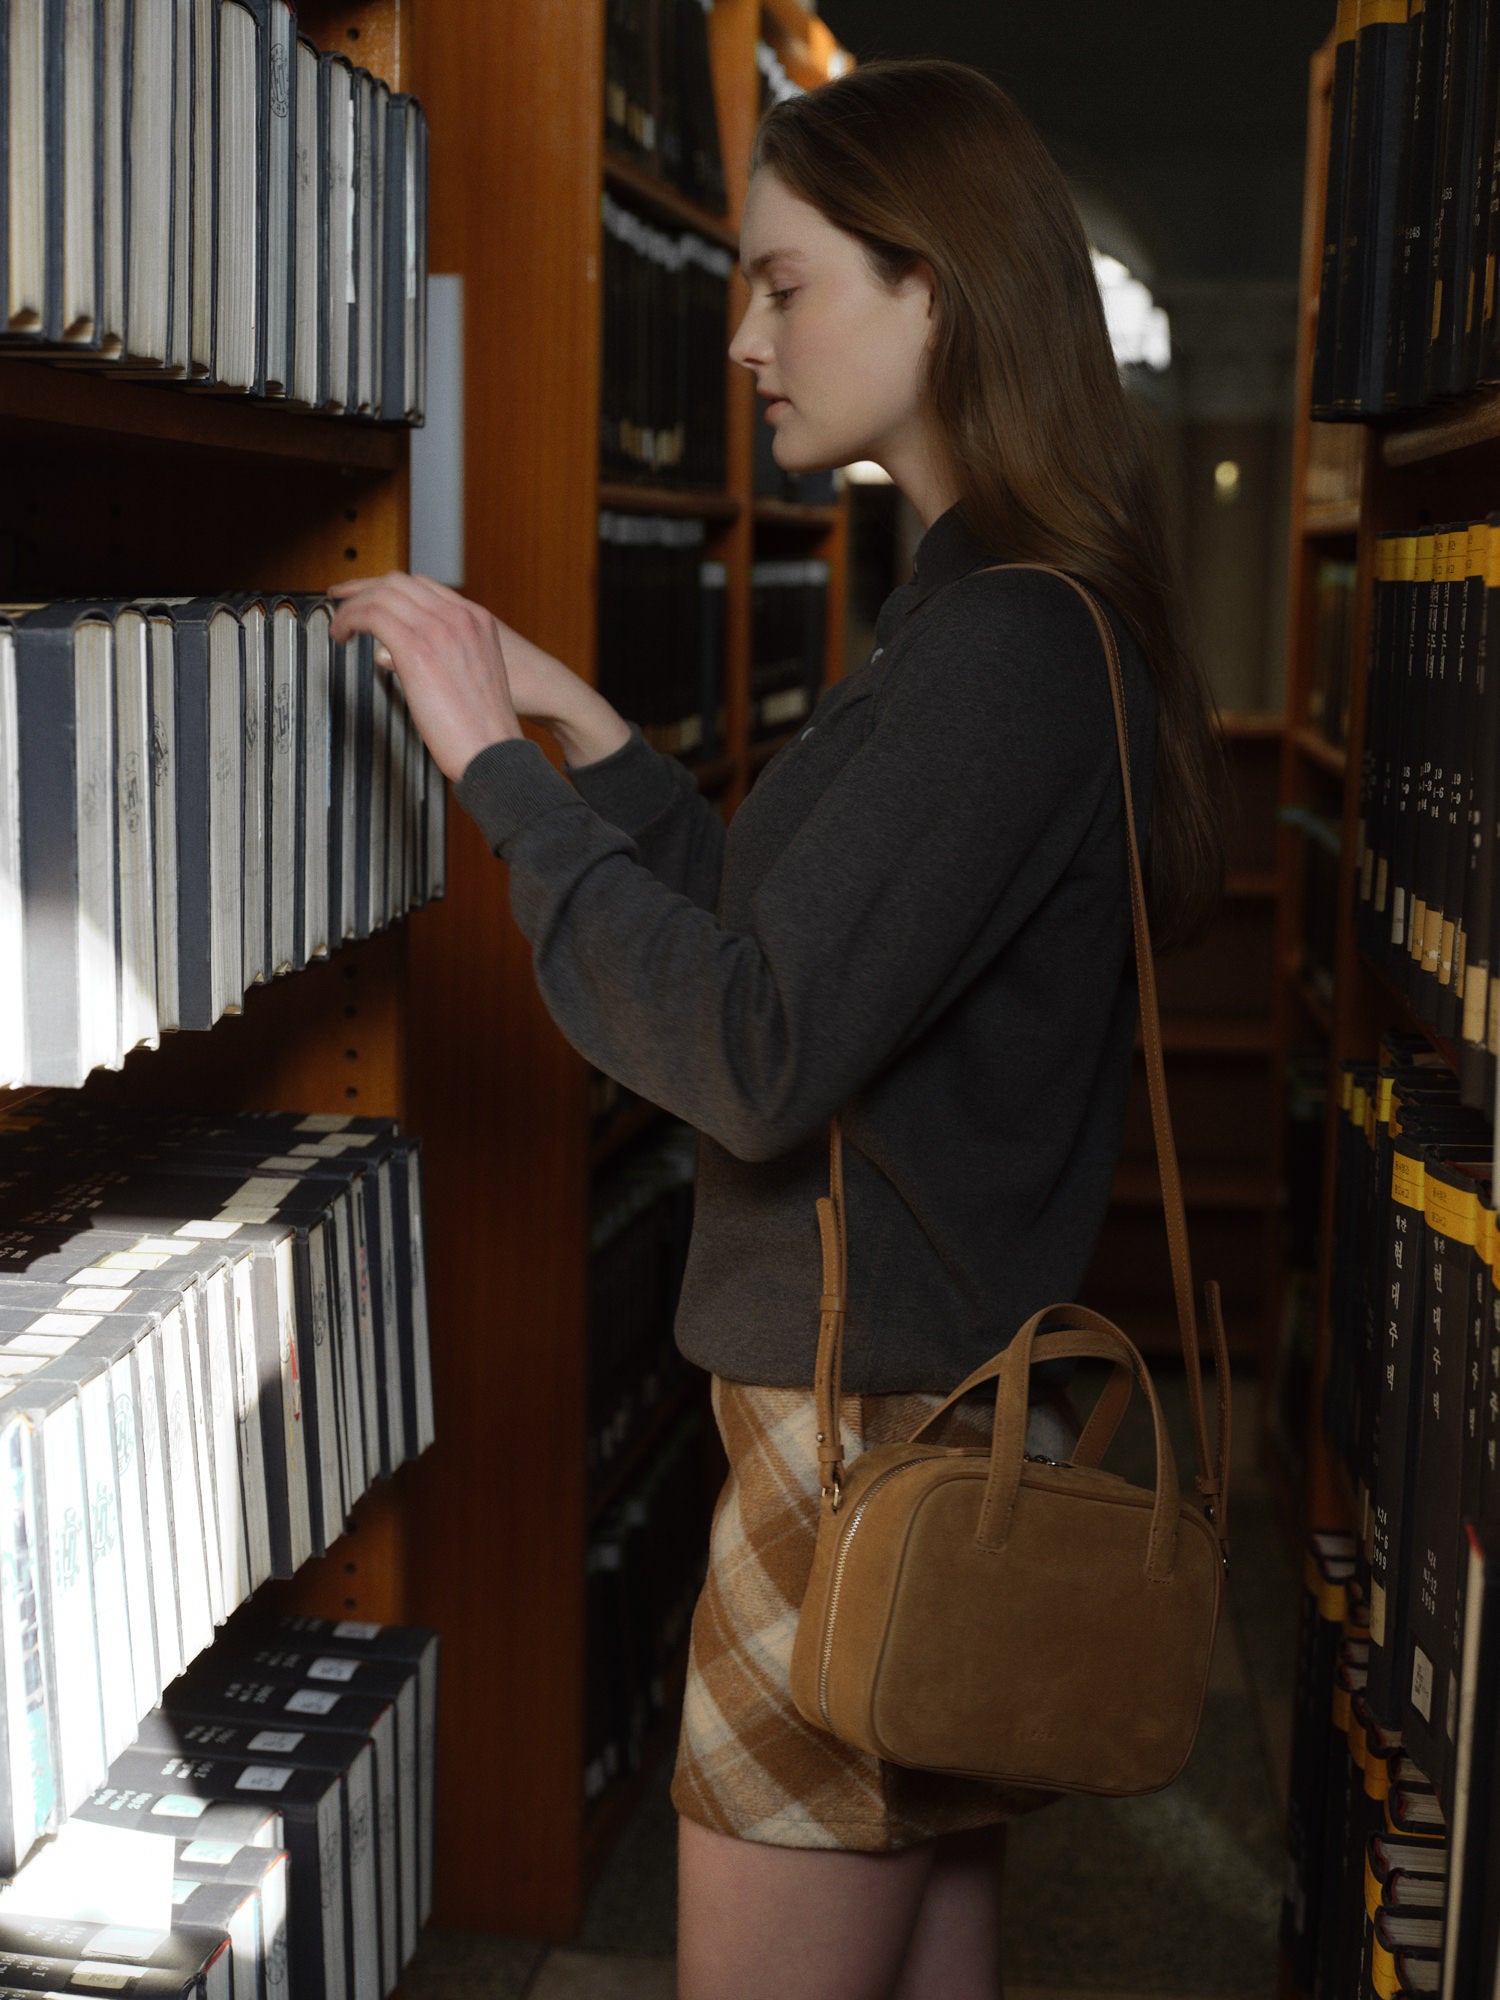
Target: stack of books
point(666, 307)
point(1429, 807)
point(1390, 1886)
point(290, 1775)
point(195, 795)
point(661, 630)
point(789, 636)
point(213, 1337)
point(638, 1237)
point(189, 190)
point(1406, 302)
point(1413, 1397)
point(645, 1567)
point(659, 94)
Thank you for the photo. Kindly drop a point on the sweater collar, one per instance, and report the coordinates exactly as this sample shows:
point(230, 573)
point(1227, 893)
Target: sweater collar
point(947, 551)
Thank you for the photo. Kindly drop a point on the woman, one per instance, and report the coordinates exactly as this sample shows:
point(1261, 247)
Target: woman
point(919, 917)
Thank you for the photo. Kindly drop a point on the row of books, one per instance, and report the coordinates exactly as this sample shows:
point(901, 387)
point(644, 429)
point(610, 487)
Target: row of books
point(789, 640)
point(642, 1216)
point(666, 305)
point(292, 1773)
point(1406, 302)
point(645, 1565)
point(661, 630)
point(1429, 799)
point(659, 93)
point(213, 1337)
point(195, 192)
point(195, 795)
point(1413, 1397)
point(1333, 639)
point(1386, 1892)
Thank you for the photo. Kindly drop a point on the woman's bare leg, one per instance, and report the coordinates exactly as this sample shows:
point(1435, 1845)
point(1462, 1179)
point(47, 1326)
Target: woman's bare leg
point(793, 1923)
point(954, 1952)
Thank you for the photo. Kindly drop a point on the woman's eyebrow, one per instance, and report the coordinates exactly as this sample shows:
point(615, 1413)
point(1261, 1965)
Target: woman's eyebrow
point(758, 265)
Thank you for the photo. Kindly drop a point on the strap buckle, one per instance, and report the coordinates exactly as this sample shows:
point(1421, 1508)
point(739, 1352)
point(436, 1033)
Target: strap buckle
point(833, 1493)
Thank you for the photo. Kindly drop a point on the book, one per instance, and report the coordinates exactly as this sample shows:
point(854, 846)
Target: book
point(351, 1761)
point(311, 1806)
point(168, 169)
point(1473, 1794)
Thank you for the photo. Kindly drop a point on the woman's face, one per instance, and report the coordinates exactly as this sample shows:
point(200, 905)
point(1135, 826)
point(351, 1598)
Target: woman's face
point(837, 354)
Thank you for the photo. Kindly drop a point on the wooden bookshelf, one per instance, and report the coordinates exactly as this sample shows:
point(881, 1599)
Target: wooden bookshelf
point(500, 1507)
point(124, 486)
point(1441, 464)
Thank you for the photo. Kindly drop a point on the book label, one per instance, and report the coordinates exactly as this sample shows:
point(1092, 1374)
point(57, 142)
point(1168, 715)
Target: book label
point(1421, 1684)
point(308, 1701)
point(263, 1778)
point(277, 1742)
point(350, 1628)
point(210, 1853)
point(333, 1670)
point(175, 1805)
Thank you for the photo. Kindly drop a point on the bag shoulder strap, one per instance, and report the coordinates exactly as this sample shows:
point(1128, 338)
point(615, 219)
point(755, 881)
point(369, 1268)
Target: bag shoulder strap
point(1213, 1467)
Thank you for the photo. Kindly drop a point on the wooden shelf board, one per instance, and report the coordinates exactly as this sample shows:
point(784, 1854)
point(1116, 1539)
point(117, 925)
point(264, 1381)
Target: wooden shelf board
point(667, 200)
point(1475, 419)
point(625, 498)
point(606, 1818)
point(1314, 747)
point(1326, 523)
point(36, 397)
point(1247, 885)
point(1232, 1187)
point(643, 1443)
point(1399, 1005)
point(18, 1098)
point(793, 514)
point(621, 1129)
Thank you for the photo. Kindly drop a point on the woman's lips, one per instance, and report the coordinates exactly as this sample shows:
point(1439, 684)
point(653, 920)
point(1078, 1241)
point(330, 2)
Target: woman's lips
point(775, 404)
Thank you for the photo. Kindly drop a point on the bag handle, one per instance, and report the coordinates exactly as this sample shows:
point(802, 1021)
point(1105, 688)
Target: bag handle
point(1212, 1478)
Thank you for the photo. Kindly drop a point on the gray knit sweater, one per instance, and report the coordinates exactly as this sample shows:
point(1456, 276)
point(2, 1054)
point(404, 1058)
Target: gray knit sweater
point(920, 914)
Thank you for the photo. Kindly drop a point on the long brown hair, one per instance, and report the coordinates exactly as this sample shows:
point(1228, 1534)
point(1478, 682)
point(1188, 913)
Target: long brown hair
point(931, 163)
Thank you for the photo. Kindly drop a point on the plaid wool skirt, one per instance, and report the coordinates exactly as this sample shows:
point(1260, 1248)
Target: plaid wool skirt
point(747, 1763)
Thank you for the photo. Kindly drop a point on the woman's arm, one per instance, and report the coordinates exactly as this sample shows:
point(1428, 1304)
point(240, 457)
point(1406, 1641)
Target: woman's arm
point(983, 772)
point(654, 799)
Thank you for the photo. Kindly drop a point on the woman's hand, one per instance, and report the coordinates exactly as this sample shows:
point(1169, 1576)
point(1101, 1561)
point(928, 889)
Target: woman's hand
point(447, 654)
point(475, 658)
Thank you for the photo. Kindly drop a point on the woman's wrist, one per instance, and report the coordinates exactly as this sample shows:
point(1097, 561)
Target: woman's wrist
point(588, 729)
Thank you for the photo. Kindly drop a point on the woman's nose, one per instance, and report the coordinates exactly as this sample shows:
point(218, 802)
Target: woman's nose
point(748, 347)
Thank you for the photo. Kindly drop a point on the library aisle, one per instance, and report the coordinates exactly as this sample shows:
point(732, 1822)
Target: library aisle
point(1174, 1895)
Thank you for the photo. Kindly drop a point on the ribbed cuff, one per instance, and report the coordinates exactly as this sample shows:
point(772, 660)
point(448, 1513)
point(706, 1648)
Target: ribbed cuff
point(631, 786)
point(508, 786)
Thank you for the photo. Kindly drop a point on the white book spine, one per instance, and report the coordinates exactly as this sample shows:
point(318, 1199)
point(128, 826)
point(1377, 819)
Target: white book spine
point(204, 1441)
point(129, 1471)
point(134, 793)
point(35, 1804)
point(148, 1368)
point(182, 1472)
point(80, 1720)
point(111, 1605)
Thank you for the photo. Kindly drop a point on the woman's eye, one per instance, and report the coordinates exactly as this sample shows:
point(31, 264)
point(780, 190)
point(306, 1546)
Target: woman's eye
point(779, 299)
